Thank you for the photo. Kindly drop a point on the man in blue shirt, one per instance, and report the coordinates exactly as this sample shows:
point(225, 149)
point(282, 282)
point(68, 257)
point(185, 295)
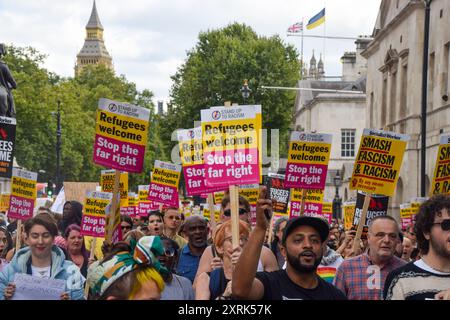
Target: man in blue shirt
point(196, 229)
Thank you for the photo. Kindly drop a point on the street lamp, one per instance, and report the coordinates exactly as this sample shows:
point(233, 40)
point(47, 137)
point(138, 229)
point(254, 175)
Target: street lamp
point(337, 181)
point(423, 120)
point(245, 90)
point(58, 148)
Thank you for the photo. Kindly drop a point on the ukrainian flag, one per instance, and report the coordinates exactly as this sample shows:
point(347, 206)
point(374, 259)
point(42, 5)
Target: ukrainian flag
point(317, 20)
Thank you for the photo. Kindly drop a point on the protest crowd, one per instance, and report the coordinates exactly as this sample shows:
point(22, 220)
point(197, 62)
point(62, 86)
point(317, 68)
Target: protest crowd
point(254, 238)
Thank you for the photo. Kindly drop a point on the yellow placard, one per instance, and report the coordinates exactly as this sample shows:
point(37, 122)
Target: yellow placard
point(378, 163)
point(218, 196)
point(349, 212)
point(441, 177)
point(96, 207)
point(327, 208)
point(309, 152)
point(191, 146)
point(312, 195)
point(207, 214)
point(122, 128)
point(405, 212)
point(24, 188)
point(107, 184)
point(251, 193)
point(4, 202)
point(166, 177)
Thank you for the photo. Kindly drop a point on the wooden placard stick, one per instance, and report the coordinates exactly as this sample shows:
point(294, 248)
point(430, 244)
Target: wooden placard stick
point(212, 212)
point(269, 239)
point(91, 257)
point(112, 215)
point(302, 206)
point(362, 222)
point(161, 208)
point(234, 207)
point(18, 235)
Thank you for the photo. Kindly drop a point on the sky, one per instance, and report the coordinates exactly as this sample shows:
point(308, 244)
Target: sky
point(148, 39)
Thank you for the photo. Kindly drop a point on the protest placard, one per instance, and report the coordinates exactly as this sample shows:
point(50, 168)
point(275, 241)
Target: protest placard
point(23, 194)
point(327, 211)
point(76, 191)
point(405, 215)
point(107, 184)
point(207, 212)
point(218, 196)
point(4, 202)
point(441, 177)
point(7, 146)
point(164, 183)
point(313, 202)
point(251, 193)
point(416, 202)
point(308, 158)
point(120, 135)
point(131, 209)
point(93, 222)
point(378, 207)
point(277, 190)
point(348, 208)
point(191, 152)
point(145, 205)
point(34, 288)
point(378, 163)
point(230, 146)
point(258, 128)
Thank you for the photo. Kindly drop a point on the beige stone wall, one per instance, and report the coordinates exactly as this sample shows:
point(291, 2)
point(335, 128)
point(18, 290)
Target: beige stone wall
point(405, 34)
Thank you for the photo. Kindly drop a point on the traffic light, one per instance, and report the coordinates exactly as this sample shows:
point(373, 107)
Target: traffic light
point(50, 189)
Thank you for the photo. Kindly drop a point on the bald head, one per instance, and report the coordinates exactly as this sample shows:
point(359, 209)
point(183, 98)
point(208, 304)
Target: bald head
point(194, 220)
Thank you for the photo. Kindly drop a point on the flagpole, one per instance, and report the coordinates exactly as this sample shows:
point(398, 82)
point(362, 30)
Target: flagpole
point(324, 34)
point(303, 61)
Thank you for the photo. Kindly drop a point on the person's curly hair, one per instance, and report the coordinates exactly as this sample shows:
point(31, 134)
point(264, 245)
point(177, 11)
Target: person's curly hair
point(425, 218)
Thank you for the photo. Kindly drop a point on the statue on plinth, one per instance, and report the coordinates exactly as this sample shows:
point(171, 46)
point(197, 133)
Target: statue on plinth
point(7, 84)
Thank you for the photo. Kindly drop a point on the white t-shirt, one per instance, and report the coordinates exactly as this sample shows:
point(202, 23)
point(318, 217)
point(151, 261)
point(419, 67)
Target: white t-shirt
point(422, 265)
point(41, 272)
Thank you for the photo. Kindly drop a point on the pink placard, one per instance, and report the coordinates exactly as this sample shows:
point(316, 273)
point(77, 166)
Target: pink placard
point(93, 226)
point(144, 208)
point(305, 176)
point(163, 194)
point(194, 177)
point(118, 155)
point(236, 167)
point(128, 211)
point(311, 208)
point(20, 208)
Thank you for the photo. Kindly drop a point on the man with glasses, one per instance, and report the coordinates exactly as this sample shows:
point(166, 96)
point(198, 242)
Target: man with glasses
point(363, 277)
point(429, 277)
point(126, 224)
point(172, 220)
point(177, 287)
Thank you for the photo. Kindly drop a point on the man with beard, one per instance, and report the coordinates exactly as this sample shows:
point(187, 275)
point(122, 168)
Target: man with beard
point(196, 230)
point(302, 247)
point(429, 277)
point(363, 277)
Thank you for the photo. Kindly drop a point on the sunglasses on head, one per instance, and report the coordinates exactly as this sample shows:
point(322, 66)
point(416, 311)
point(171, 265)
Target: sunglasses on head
point(445, 224)
point(227, 212)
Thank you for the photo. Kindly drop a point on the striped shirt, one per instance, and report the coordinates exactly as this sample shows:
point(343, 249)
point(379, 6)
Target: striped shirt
point(360, 279)
point(415, 281)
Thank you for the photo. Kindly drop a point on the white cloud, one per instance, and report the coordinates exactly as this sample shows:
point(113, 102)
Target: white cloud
point(148, 39)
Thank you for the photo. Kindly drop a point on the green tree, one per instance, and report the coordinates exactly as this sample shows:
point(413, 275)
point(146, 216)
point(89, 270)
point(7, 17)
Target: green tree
point(36, 101)
point(214, 71)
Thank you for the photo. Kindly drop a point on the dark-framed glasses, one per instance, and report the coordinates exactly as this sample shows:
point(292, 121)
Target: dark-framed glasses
point(445, 224)
point(227, 213)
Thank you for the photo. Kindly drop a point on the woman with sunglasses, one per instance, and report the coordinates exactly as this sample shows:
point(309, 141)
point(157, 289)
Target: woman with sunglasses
point(210, 260)
point(216, 285)
point(176, 287)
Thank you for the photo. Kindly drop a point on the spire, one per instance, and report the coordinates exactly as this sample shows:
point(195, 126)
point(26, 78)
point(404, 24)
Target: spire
point(94, 20)
point(313, 60)
point(320, 63)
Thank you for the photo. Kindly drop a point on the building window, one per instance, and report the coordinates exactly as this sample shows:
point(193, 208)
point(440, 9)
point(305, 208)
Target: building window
point(445, 73)
point(348, 142)
point(393, 98)
point(404, 92)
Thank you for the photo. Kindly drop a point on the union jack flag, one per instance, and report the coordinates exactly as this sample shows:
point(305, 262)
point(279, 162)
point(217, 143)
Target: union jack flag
point(296, 27)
